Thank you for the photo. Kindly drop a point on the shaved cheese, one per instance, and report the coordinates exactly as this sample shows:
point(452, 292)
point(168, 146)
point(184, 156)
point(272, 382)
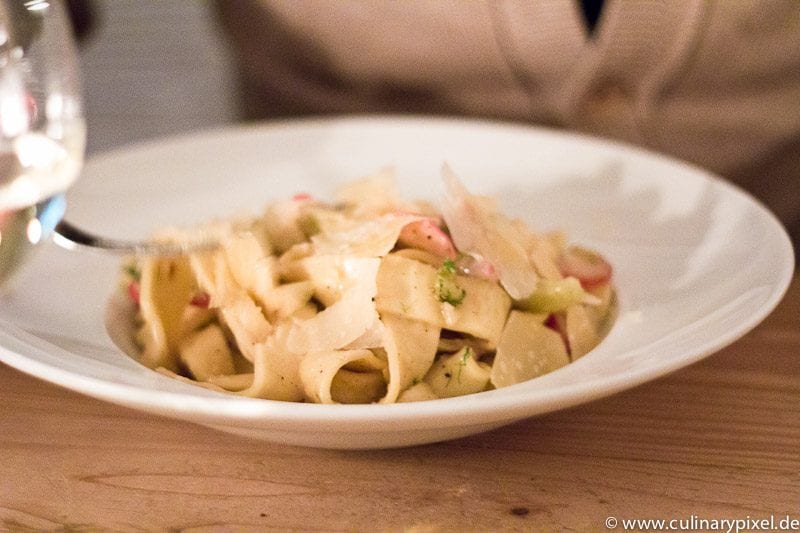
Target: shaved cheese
point(477, 227)
point(371, 238)
point(346, 320)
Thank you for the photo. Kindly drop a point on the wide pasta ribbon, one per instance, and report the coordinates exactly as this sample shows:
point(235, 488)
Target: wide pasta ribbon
point(346, 320)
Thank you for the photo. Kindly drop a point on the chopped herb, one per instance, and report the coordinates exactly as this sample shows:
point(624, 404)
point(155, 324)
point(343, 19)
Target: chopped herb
point(447, 288)
point(463, 362)
point(132, 271)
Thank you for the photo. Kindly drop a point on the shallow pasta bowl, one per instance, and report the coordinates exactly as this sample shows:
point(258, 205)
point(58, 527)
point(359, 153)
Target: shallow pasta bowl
point(698, 263)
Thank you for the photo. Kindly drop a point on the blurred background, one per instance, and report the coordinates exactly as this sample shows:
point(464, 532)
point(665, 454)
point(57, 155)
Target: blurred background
point(151, 69)
point(160, 68)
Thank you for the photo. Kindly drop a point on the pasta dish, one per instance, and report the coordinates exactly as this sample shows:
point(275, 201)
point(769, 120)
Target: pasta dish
point(370, 298)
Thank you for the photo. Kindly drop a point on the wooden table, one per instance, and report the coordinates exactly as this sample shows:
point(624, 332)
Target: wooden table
point(718, 440)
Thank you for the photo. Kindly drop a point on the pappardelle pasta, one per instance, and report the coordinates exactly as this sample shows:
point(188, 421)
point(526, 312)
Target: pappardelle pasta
point(370, 299)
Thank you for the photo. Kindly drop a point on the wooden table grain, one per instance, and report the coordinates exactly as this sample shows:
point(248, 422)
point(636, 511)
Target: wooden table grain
point(718, 440)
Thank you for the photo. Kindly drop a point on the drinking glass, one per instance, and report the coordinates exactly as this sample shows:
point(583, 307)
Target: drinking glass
point(42, 130)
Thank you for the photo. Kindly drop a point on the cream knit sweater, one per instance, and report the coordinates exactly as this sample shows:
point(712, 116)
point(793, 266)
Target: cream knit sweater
point(714, 82)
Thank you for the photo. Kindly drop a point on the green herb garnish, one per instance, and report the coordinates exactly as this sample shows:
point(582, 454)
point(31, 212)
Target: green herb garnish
point(447, 287)
point(132, 271)
point(463, 362)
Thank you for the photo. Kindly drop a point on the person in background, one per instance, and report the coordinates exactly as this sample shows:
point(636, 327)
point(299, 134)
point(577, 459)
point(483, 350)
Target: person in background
point(711, 82)
point(83, 17)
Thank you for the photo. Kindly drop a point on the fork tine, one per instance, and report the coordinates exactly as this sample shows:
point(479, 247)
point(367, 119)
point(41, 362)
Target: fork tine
point(71, 237)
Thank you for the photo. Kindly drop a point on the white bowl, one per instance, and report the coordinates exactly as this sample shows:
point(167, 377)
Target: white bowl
point(698, 263)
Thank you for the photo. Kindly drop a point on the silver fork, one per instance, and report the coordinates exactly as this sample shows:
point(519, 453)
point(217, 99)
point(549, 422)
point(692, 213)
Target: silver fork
point(68, 236)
